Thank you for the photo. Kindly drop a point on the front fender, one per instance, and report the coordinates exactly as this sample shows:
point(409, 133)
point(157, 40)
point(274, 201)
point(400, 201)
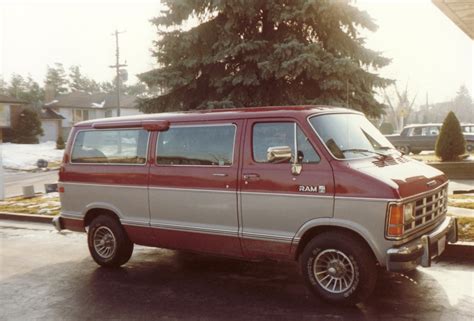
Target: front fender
point(339, 223)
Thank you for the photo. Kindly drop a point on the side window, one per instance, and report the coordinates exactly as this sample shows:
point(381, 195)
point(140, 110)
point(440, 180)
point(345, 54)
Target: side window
point(434, 131)
point(197, 145)
point(126, 146)
point(416, 131)
point(266, 135)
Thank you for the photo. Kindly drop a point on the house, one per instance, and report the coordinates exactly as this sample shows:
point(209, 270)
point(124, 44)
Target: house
point(10, 109)
point(78, 106)
point(461, 12)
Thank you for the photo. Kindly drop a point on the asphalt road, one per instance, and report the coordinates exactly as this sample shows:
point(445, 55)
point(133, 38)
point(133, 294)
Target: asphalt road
point(46, 275)
point(15, 180)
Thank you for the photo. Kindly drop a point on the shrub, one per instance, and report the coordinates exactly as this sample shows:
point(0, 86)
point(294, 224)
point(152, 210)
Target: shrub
point(60, 143)
point(450, 144)
point(28, 128)
point(386, 128)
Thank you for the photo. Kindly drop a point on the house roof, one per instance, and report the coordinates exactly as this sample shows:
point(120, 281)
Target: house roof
point(8, 99)
point(81, 99)
point(48, 113)
point(461, 12)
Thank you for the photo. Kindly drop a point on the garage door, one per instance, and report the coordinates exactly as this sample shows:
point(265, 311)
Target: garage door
point(50, 130)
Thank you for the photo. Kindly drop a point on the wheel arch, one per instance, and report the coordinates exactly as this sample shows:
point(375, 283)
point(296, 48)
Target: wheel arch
point(310, 230)
point(92, 213)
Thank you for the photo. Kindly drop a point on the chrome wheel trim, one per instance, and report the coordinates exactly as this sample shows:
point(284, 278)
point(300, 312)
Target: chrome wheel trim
point(403, 149)
point(104, 241)
point(334, 271)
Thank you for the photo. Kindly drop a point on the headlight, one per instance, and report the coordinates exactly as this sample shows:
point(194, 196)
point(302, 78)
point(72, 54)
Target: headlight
point(408, 212)
point(398, 216)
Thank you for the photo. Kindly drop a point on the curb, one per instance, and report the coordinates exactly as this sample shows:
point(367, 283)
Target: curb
point(26, 217)
point(460, 250)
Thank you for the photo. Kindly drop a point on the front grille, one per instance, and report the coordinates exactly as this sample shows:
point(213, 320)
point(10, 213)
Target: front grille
point(428, 209)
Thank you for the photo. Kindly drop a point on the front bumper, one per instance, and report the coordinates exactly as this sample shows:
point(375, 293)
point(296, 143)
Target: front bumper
point(423, 249)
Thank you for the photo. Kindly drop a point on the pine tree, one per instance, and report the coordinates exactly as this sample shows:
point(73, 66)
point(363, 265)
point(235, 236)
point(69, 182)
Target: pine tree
point(28, 128)
point(451, 143)
point(262, 52)
point(77, 81)
point(56, 78)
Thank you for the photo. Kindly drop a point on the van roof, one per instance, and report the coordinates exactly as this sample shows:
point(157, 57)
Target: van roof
point(225, 114)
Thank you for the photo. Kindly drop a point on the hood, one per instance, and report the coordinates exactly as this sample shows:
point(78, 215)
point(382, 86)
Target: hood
point(409, 177)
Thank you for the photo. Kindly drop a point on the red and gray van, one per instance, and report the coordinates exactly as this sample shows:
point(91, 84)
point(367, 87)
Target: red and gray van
point(317, 185)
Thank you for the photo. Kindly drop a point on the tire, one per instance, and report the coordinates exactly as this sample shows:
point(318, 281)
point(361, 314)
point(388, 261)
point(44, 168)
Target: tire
point(404, 149)
point(339, 257)
point(108, 243)
point(470, 148)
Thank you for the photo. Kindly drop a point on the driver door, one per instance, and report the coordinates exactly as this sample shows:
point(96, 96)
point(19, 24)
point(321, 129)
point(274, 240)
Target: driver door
point(274, 202)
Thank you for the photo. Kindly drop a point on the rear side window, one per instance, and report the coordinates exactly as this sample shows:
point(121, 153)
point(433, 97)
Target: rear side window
point(127, 146)
point(267, 135)
point(196, 145)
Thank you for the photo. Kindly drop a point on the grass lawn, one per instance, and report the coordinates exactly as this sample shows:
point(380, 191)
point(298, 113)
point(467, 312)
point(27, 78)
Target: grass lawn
point(466, 229)
point(461, 200)
point(42, 204)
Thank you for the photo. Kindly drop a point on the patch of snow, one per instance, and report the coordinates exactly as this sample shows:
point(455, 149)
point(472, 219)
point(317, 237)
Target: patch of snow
point(51, 102)
point(50, 195)
point(97, 105)
point(25, 156)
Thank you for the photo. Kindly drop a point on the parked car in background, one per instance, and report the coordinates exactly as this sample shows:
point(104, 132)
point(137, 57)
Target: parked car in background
point(416, 138)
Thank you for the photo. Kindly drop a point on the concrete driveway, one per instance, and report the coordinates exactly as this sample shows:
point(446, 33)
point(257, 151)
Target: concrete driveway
point(46, 275)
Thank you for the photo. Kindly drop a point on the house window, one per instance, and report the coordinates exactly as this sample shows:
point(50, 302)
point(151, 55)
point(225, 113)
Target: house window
point(80, 115)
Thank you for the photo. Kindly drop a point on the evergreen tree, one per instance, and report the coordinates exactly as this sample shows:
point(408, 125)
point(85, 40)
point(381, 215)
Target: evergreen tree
point(3, 86)
point(77, 81)
point(28, 128)
point(451, 143)
point(262, 52)
point(27, 90)
point(16, 86)
point(56, 78)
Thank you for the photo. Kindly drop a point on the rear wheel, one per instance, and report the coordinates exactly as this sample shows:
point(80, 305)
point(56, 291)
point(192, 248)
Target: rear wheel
point(470, 147)
point(338, 268)
point(108, 243)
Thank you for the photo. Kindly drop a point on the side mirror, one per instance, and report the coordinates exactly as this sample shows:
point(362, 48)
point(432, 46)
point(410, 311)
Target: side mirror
point(279, 154)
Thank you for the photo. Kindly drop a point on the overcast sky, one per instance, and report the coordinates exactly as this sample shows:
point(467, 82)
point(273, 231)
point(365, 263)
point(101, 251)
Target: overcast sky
point(428, 50)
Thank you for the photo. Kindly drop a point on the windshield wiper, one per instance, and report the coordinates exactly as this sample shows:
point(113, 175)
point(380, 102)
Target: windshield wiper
point(361, 150)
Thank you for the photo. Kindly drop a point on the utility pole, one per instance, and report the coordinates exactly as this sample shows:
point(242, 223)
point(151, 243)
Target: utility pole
point(117, 68)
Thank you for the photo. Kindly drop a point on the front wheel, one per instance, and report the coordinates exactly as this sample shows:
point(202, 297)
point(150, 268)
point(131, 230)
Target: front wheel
point(404, 149)
point(109, 245)
point(470, 148)
point(338, 268)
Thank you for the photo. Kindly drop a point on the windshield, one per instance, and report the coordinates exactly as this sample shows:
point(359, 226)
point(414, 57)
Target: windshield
point(350, 135)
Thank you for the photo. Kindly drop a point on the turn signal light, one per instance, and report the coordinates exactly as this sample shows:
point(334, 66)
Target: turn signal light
point(395, 221)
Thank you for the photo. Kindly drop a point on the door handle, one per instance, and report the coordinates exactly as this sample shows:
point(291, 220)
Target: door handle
point(251, 177)
point(219, 174)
